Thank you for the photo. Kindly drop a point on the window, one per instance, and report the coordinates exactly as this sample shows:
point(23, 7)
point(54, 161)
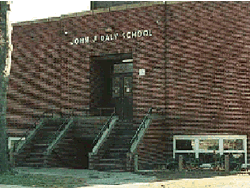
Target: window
point(209, 144)
point(230, 144)
point(185, 144)
point(203, 146)
point(14, 141)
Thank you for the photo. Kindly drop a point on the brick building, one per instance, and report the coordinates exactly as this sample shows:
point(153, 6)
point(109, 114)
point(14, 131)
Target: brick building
point(188, 61)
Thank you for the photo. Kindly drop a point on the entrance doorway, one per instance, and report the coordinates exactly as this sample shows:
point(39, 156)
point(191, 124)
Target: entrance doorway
point(111, 78)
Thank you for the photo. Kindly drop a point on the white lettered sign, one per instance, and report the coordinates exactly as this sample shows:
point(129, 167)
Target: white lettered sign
point(112, 37)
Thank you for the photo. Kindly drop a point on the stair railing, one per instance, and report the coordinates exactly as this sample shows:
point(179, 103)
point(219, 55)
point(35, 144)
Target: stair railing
point(103, 134)
point(29, 134)
point(59, 135)
point(53, 137)
point(105, 126)
point(140, 131)
point(28, 138)
point(25, 135)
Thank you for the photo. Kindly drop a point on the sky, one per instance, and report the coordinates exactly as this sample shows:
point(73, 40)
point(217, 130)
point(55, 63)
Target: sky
point(25, 10)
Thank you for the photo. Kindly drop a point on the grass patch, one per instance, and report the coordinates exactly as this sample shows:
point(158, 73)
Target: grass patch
point(39, 180)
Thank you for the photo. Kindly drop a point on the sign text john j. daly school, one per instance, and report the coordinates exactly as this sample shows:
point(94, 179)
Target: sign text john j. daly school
point(111, 37)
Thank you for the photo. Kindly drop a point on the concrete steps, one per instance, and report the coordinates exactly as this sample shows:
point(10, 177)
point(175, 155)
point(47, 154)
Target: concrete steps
point(114, 157)
point(33, 154)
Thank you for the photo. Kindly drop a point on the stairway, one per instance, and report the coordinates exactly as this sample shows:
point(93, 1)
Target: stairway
point(117, 145)
point(33, 153)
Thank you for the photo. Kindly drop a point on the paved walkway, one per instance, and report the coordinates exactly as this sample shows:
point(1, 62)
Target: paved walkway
point(236, 181)
point(12, 186)
point(98, 179)
point(92, 177)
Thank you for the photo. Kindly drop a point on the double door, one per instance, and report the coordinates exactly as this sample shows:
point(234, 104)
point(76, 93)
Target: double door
point(122, 95)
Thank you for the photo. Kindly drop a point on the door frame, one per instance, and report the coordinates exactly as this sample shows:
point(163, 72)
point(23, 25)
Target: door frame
point(117, 59)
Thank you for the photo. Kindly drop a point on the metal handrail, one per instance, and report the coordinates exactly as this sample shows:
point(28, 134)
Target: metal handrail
point(27, 131)
point(58, 135)
point(105, 126)
point(34, 126)
point(20, 145)
point(142, 125)
point(52, 112)
point(58, 130)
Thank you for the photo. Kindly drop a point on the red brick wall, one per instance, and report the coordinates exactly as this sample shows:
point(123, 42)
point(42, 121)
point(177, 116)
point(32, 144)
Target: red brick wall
point(147, 51)
point(35, 73)
point(48, 72)
point(207, 85)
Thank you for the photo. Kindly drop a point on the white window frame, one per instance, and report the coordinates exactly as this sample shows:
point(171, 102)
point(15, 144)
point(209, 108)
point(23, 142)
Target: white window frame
point(221, 151)
point(12, 139)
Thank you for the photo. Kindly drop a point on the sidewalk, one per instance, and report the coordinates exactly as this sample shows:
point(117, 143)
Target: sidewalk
point(97, 179)
point(92, 177)
point(12, 186)
point(237, 181)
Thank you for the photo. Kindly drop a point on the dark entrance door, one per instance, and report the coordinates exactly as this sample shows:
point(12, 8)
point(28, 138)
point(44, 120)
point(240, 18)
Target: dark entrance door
point(122, 95)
